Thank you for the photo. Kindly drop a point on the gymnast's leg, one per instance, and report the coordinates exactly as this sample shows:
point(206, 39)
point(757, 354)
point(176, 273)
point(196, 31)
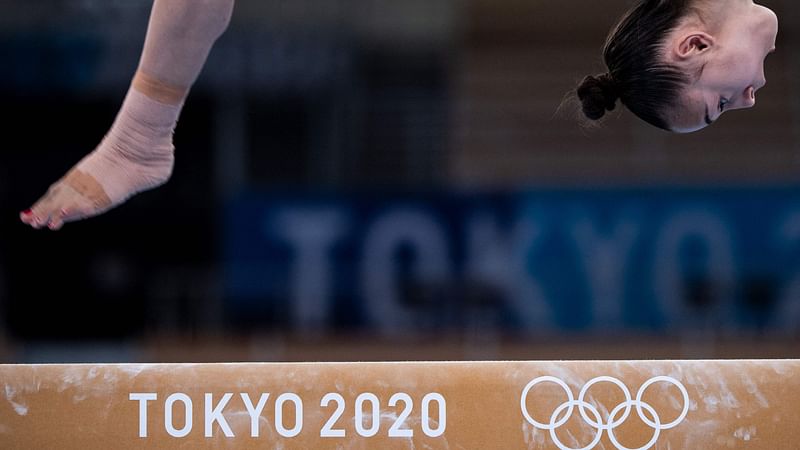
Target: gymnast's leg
point(137, 152)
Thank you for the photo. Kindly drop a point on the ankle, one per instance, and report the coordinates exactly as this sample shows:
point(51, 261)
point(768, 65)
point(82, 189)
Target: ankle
point(158, 90)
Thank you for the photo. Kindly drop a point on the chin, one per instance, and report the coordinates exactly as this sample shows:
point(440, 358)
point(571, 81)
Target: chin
point(770, 19)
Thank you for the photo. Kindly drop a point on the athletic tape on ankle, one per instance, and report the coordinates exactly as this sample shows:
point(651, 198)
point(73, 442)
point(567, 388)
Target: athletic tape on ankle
point(157, 90)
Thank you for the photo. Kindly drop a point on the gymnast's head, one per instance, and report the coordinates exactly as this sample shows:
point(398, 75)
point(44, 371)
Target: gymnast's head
point(680, 64)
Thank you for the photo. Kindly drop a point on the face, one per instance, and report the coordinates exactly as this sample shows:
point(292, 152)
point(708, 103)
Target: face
point(731, 70)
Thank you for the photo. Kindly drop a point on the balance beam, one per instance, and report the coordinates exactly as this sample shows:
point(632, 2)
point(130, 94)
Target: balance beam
point(462, 405)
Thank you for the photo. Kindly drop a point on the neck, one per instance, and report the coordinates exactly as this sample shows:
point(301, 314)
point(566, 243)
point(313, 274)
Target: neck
point(714, 15)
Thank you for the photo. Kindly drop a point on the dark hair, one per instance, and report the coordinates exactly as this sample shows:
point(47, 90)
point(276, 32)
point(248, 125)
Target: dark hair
point(637, 76)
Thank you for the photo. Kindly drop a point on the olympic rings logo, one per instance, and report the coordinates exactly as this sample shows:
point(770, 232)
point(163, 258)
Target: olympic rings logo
point(568, 407)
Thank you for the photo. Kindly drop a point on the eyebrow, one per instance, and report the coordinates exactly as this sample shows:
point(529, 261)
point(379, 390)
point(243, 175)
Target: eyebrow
point(708, 118)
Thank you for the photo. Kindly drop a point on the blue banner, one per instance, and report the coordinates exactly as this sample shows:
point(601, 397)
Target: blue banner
point(649, 260)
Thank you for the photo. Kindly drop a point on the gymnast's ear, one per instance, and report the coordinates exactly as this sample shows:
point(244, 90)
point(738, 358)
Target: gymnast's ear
point(691, 45)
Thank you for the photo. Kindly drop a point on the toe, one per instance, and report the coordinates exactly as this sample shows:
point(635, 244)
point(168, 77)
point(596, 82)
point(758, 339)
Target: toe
point(45, 209)
point(38, 222)
point(26, 216)
point(57, 220)
point(38, 217)
point(34, 217)
point(60, 205)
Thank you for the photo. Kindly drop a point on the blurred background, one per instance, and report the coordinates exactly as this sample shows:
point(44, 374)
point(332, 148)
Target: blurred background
point(390, 180)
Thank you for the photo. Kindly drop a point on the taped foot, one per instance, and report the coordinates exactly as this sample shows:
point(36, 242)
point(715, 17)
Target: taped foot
point(136, 155)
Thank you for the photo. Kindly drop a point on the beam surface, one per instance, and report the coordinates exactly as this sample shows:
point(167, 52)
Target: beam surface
point(461, 405)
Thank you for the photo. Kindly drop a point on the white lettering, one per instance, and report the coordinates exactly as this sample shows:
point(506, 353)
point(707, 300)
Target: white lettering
point(187, 406)
point(605, 258)
point(311, 234)
point(254, 412)
point(670, 283)
point(215, 415)
point(143, 398)
point(298, 414)
point(427, 241)
point(500, 260)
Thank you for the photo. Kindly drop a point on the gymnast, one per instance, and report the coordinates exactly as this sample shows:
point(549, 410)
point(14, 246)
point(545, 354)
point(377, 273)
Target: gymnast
point(680, 64)
point(676, 64)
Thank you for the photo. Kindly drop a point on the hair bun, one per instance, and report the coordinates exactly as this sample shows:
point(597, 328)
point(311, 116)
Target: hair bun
point(598, 95)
